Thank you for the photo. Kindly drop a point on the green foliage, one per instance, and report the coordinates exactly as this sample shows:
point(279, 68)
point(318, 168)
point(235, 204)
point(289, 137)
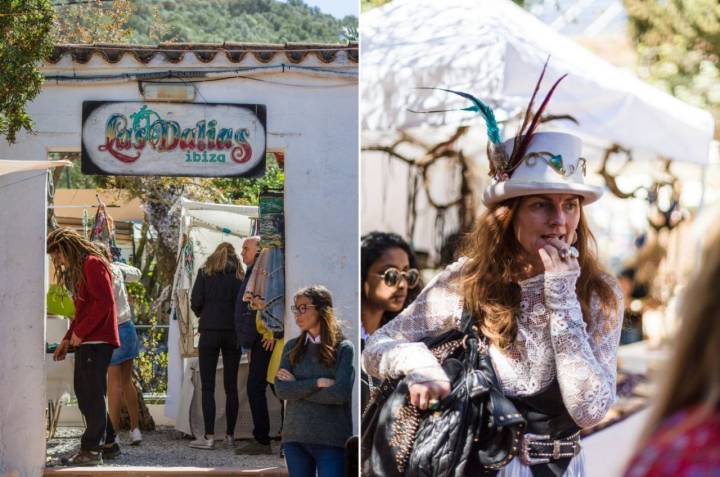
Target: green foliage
point(366, 5)
point(151, 363)
point(678, 46)
point(247, 191)
point(370, 4)
point(262, 21)
point(93, 22)
point(72, 177)
point(24, 42)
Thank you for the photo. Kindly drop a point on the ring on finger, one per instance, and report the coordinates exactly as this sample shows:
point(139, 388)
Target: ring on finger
point(564, 253)
point(433, 404)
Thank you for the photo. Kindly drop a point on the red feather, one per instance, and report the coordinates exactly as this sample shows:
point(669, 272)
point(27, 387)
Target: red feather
point(528, 111)
point(519, 152)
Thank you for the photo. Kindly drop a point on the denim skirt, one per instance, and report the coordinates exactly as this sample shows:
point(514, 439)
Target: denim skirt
point(129, 348)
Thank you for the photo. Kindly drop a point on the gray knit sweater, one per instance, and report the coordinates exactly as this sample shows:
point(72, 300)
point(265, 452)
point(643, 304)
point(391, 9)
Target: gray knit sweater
point(318, 415)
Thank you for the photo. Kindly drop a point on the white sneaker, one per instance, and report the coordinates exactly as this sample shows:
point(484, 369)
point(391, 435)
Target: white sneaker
point(203, 442)
point(135, 437)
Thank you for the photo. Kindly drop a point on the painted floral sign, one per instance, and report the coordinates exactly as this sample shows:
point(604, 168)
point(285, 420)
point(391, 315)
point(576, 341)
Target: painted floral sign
point(173, 139)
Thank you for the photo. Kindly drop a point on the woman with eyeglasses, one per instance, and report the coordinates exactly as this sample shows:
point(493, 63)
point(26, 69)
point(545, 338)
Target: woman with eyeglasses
point(316, 377)
point(390, 282)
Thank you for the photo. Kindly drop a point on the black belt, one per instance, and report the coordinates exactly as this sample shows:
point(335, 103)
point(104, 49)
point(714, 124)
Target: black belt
point(541, 449)
point(551, 437)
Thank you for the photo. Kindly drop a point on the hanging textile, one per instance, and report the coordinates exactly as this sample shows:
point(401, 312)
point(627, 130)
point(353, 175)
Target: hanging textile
point(265, 290)
point(272, 220)
point(104, 231)
point(273, 313)
point(181, 297)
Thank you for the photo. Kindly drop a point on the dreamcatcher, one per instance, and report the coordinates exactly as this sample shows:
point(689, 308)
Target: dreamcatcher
point(104, 230)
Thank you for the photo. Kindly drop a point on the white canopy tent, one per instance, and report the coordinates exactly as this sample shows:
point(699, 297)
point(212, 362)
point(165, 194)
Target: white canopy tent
point(495, 50)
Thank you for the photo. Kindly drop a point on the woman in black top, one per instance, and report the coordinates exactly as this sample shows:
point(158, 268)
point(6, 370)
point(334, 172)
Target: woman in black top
point(213, 300)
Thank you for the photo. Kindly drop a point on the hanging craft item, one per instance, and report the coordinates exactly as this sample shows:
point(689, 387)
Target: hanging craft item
point(272, 220)
point(85, 223)
point(104, 230)
point(188, 257)
point(183, 277)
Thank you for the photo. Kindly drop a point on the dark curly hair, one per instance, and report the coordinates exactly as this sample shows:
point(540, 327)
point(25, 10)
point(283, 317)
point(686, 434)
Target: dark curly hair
point(374, 244)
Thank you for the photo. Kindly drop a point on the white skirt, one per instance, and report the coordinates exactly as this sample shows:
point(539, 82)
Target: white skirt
point(517, 469)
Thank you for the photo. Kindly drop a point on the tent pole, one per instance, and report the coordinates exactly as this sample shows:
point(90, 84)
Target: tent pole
point(701, 204)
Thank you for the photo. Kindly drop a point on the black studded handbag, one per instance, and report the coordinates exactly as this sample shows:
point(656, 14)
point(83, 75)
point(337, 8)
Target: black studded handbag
point(475, 431)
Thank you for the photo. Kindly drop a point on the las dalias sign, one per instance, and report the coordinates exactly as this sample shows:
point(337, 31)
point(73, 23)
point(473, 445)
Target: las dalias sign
point(173, 139)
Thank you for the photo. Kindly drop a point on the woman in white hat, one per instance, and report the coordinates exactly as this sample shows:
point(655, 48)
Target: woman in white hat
point(530, 277)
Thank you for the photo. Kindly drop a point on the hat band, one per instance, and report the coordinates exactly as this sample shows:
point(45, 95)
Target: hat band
point(555, 161)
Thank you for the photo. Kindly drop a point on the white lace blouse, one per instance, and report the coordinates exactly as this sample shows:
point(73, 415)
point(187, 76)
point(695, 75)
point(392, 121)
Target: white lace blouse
point(552, 340)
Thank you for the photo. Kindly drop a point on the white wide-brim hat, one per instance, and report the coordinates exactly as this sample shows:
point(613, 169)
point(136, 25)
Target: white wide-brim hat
point(552, 164)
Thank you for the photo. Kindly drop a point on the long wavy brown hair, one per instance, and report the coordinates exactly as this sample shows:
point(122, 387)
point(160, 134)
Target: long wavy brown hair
point(692, 375)
point(223, 255)
point(489, 279)
point(330, 332)
point(75, 249)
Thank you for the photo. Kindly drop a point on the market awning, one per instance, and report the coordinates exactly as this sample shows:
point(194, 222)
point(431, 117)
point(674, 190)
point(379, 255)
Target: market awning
point(8, 166)
point(495, 50)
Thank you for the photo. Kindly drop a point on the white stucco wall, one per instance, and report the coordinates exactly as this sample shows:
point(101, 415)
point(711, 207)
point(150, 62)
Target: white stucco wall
point(313, 117)
point(22, 315)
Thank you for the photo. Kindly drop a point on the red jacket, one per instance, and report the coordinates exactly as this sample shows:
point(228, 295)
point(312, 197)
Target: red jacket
point(95, 315)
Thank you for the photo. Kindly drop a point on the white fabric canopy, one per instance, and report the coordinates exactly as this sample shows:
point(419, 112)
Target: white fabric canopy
point(495, 50)
point(8, 166)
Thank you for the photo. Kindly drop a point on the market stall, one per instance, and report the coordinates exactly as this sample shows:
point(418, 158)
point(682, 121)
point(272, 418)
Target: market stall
point(203, 226)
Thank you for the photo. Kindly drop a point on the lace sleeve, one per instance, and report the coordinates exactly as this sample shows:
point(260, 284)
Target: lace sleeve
point(393, 351)
point(585, 359)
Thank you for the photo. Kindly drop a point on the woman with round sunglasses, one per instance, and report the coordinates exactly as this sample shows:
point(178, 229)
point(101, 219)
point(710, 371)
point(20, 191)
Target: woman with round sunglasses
point(315, 379)
point(390, 281)
point(389, 276)
point(530, 279)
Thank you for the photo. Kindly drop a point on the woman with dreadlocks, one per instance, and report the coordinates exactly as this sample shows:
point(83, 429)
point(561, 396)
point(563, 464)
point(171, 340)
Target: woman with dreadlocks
point(530, 281)
point(93, 333)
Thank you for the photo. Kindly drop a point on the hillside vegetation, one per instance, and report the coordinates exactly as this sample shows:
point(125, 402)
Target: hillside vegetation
point(235, 20)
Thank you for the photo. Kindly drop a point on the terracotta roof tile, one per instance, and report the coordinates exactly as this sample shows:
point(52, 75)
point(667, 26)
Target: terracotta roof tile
point(206, 52)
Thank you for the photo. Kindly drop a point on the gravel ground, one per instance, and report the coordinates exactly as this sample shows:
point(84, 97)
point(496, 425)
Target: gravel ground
point(163, 448)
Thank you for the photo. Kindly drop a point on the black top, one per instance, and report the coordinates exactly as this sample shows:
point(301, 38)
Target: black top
point(245, 316)
point(213, 299)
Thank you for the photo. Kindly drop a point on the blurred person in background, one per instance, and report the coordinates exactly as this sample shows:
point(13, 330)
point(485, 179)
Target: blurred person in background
point(682, 438)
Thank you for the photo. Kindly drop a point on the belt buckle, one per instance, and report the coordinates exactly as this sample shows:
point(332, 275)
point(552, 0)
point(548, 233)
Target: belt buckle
point(528, 439)
point(556, 449)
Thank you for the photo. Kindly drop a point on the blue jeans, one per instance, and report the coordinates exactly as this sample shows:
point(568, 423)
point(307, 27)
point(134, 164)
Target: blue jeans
point(304, 459)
